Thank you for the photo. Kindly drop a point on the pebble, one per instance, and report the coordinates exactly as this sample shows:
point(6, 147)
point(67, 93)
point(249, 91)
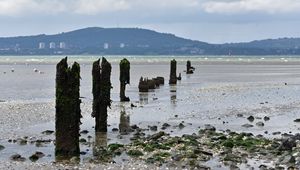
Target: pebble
point(251, 118)
point(17, 157)
point(247, 125)
point(260, 124)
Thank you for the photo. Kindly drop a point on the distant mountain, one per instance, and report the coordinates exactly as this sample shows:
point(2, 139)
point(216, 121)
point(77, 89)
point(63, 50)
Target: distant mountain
point(136, 41)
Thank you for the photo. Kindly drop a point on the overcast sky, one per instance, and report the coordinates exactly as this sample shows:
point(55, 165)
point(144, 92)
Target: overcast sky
point(214, 21)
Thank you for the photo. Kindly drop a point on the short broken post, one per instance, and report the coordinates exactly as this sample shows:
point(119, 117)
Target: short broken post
point(101, 93)
point(124, 78)
point(173, 76)
point(68, 113)
point(189, 68)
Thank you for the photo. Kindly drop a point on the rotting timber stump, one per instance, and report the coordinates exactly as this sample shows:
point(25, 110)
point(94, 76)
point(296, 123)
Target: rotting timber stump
point(101, 93)
point(68, 113)
point(189, 68)
point(124, 78)
point(173, 75)
point(143, 85)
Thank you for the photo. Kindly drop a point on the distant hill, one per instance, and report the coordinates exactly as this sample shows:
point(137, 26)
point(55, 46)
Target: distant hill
point(136, 41)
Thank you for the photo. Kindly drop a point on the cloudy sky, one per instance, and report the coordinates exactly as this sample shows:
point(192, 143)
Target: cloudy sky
point(214, 21)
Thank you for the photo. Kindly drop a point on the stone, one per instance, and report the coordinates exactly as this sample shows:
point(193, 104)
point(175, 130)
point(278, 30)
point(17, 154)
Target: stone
point(84, 132)
point(48, 132)
point(247, 125)
point(17, 157)
point(36, 156)
point(181, 125)
point(209, 127)
point(251, 118)
point(153, 128)
point(115, 129)
point(287, 144)
point(240, 115)
point(260, 124)
point(266, 118)
point(1, 147)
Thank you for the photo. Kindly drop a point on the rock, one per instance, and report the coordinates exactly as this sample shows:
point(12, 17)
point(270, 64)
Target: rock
point(260, 124)
point(181, 125)
point(157, 135)
point(132, 105)
point(266, 118)
point(177, 157)
point(84, 132)
point(251, 118)
point(21, 141)
point(247, 125)
point(288, 159)
point(263, 167)
point(297, 120)
point(1, 147)
point(276, 133)
point(240, 115)
point(176, 116)
point(48, 132)
point(165, 125)
point(209, 127)
point(287, 145)
point(17, 157)
point(134, 127)
point(82, 153)
point(82, 140)
point(153, 128)
point(115, 129)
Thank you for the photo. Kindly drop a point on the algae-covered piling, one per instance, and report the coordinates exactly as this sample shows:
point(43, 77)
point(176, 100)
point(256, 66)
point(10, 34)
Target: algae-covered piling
point(124, 78)
point(101, 93)
point(68, 111)
point(173, 75)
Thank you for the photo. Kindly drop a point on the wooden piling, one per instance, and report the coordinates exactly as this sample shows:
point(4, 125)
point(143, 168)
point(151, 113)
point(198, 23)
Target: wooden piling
point(124, 78)
point(68, 111)
point(173, 75)
point(101, 93)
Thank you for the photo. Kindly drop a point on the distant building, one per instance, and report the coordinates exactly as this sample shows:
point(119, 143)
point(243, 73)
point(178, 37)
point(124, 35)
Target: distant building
point(62, 45)
point(106, 46)
point(122, 45)
point(42, 45)
point(52, 45)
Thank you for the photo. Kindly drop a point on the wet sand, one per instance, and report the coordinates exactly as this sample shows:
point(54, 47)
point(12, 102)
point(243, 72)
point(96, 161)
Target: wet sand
point(222, 95)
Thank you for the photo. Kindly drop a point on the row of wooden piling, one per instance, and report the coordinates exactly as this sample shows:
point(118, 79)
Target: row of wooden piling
point(68, 101)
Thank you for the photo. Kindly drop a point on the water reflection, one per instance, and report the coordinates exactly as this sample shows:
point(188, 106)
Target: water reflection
point(124, 126)
point(100, 143)
point(144, 98)
point(173, 95)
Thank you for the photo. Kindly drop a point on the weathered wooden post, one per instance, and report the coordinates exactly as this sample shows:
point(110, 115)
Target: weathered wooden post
point(68, 111)
point(143, 85)
point(173, 75)
point(189, 68)
point(101, 93)
point(124, 78)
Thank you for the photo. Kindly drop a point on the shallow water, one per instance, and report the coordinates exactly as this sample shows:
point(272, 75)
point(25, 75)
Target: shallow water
point(219, 89)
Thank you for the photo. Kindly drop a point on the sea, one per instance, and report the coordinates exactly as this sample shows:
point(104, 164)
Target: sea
point(222, 92)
